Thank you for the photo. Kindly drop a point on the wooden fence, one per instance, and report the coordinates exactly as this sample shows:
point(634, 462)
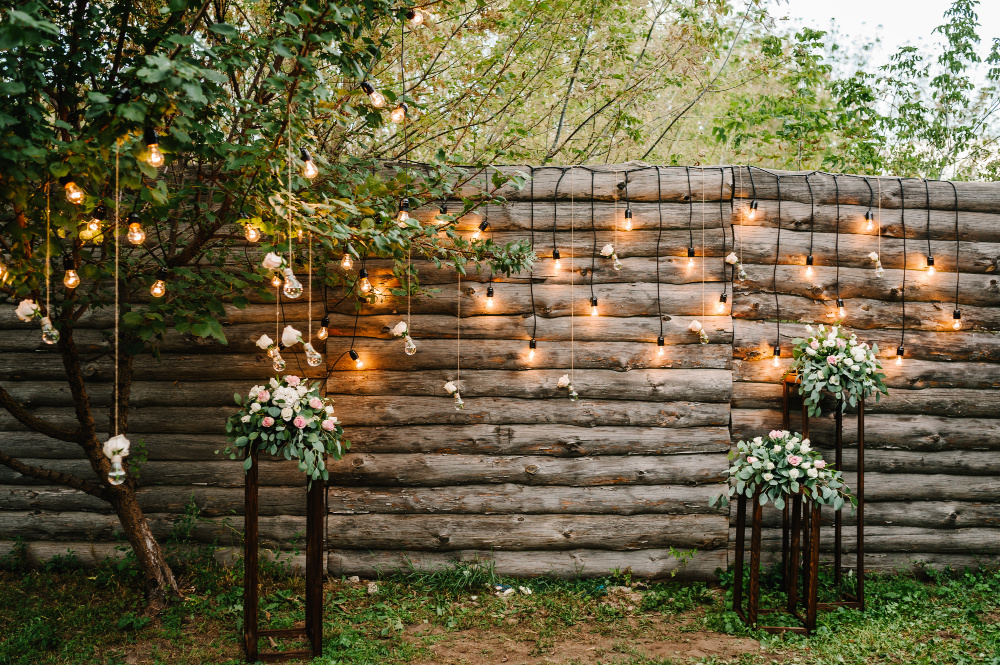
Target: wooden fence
point(620, 478)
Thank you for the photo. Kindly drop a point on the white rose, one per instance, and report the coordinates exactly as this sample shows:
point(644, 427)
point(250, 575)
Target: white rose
point(264, 342)
point(732, 258)
point(695, 326)
point(607, 250)
point(777, 448)
point(272, 261)
point(116, 446)
point(290, 336)
point(810, 351)
point(828, 343)
point(809, 328)
point(286, 413)
point(450, 388)
point(255, 407)
point(769, 466)
point(563, 381)
point(768, 476)
point(855, 368)
point(812, 473)
point(873, 256)
point(805, 447)
point(329, 409)
point(302, 389)
point(793, 473)
point(758, 440)
point(274, 383)
point(245, 419)
point(27, 310)
point(400, 329)
point(789, 445)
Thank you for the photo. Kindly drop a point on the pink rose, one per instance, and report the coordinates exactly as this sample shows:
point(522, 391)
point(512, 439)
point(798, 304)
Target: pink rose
point(831, 360)
point(329, 424)
point(841, 343)
point(794, 460)
point(775, 434)
point(292, 380)
point(316, 403)
point(267, 422)
point(819, 464)
point(299, 422)
point(263, 395)
point(751, 460)
point(814, 344)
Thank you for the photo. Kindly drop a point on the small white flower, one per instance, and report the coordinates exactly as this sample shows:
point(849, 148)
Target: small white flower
point(272, 261)
point(245, 419)
point(812, 473)
point(264, 342)
point(732, 258)
point(274, 383)
point(793, 473)
point(27, 310)
point(400, 329)
point(287, 413)
point(873, 256)
point(116, 446)
point(607, 250)
point(695, 326)
point(450, 388)
point(290, 336)
point(768, 476)
point(768, 466)
point(789, 445)
point(563, 381)
point(329, 409)
point(255, 407)
point(810, 351)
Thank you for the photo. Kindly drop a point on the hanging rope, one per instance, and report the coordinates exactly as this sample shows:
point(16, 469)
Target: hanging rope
point(774, 273)
point(812, 214)
point(458, 336)
point(48, 251)
point(572, 284)
point(836, 242)
point(722, 225)
point(531, 275)
point(902, 290)
point(703, 245)
point(593, 230)
point(958, 241)
point(659, 236)
point(118, 149)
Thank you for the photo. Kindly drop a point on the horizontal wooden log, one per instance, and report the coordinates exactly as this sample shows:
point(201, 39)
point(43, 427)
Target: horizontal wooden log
point(227, 473)
point(577, 248)
point(510, 499)
point(103, 319)
point(142, 393)
point(142, 420)
point(392, 411)
point(655, 564)
point(528, 532)
point(648, 385)
point(888, 431)
point(972, 196)
point(901, 514)
point(754, 340)
point(911, 375)
point(361, 469)
point(899, 540)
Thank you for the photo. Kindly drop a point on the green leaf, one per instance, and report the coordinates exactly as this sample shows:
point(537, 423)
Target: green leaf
point(247, 463)
point(224, 29)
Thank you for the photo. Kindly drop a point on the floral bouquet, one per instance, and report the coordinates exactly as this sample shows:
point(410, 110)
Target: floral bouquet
point(879, 271)
point(287, 417)
point(403, 330)
point(696, 327)
point(782, 464)
point(830, 360)
point(564, 382)
point(734, 261)
point(608, 252)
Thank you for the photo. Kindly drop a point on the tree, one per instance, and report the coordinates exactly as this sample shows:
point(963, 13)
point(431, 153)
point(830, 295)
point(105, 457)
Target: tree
point(228, 92)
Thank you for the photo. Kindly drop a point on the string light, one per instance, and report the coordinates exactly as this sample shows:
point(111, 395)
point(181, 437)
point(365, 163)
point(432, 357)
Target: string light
point(404, 212)
point(531, 350)
point(841, 312)
point(74, 194)
point(309, 169)
point(364, 285)
point(899, 355)
point(293, 287)
point(777, 354)
point(414, 17)
point(812, 228)
point(555, 255)
point(489, 297)
point(135, 234)
point(870, 218)
point(358, 363)
point(252, 233)
point(809, 266)
point(957, 319)
point(323, 333)
point(752, 215)
point(659, 345)
point(313, 358)
point(154, 157)
point(159, 287)
point(278, 363)
point(483, 225)
point(398, 114)
point(628, 219)
point(720, 307)
point(346, 263)
point(71, 280)
point(442, 211)
point(276, 280)
point(690, 258)
point(593, 306)
point(4, 273)
point(94, 225)
point(376, 97)
point(930, 254)
point(930, 265)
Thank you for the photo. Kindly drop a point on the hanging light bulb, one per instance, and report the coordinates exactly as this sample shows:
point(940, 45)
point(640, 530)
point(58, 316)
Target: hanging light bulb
point(323, 331)
point(483, 225)
point(555, 255)
point(659, 345)
point(414, 17)
point(71, 280)
point(404, 213)
point(841, 312)
point(899, 355)
point(135, 234)
point(593, 306)
point(309, 169)
point(777, 354)
point(930, 265)
point(752, 215)
point(116, 476)
point(356, 358)
point(870, 219)
point(313, 359)
point(957, 317)
point(278, 363)
point(398, 114)
point(408, 346)
point(442, 211)
point(532, 345)
point(154, 157)
point(293, 287)
point(628, 219)
point(159, 287)
point(346, 263)
point(489, 297)
point(73, 193)
point(720, 307)
point(4, 274)
point(252, 233)
point(690, 257)
point(809, 266)
point(364, 285)
point(377, 98)
point(276, 280)
point(94, 225)
point(49, 333)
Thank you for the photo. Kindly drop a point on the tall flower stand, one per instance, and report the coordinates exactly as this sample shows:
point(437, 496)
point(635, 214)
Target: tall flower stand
point(788, 526)
point(313, 629)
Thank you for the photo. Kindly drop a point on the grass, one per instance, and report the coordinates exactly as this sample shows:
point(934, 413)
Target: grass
point(66, 614)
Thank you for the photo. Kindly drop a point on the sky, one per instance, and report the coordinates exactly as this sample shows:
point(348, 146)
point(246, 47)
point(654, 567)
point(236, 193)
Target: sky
point(897, 22)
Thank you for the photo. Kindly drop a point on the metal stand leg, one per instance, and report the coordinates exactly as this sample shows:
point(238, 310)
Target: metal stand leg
point(250, 561)
point(741, 525)
point(860, 491)
point(838, 518)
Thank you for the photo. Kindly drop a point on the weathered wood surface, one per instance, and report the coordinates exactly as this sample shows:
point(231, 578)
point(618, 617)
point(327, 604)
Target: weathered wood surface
point(912, 374)
point(513, 499)
point(898, 540)
point(226, 473)
point(529, 532)
point(919, 514)
point(152, 420)
point(428, 470)
point(656, 564)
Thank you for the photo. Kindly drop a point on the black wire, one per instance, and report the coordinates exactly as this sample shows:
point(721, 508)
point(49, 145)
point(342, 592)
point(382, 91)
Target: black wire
point(593, 230)
point(687, 169)
point(871, 195)
point(555, 209)
point(902, 290)
point(531, 275)
point(774, 274)
point(752, 184)
point(626, 196)
point(836, 244)
point(357, 315)
point(927, 195)
point(722, 225)
point(812, 214)
point(957, 241)
point(659, 207)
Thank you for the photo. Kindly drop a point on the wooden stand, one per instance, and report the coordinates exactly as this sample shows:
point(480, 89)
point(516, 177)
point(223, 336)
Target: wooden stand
point(858, 600)
point(313, 629)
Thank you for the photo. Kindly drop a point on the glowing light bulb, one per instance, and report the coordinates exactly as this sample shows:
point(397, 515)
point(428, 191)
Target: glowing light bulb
point(276, 280)
point(94, 225)
point(159, 287)
point(690, 263)
point(414, 17)
point(252, 233)
point(49, 333)
point(154, 157)
point(135, 234)
point(309, 169)
point(531, 350)
point(930, 265)
point(870, 221)
point(659, 346)
point(293, 287)
point(777, 355)
point(71, 280)
point(313, 359)
point(376, 97)
point(555, 255)
point(278, 364)
point(73, 193)
point(408, 346)
point(398, 114)
point(364, 285)
point(358, 363)
point(628, 219)
point(593, 306)
point(116, 476)
point(4, 273)
point(404, 213)
point(809, 266)
point(489, 297)
point(720, 306)
point(841, 312)
point(956, 320)
point(483, 225)
point(346, 263)
point(752, 215)
point(323, 332)
point(899, 355)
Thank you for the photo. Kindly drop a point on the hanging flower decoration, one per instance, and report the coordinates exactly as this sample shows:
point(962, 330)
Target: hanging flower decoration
point(27, 310)
point(115, 449)
point(452, 389)
point(287, 418)
point(696, 327)
point(734, 260)
point(403, 330)
point(779, 465)
point(828, 360)
point(879, 271)
point(564, 382)
point(608, 252)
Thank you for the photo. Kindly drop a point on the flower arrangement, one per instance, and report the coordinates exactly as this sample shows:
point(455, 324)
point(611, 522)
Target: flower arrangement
point(452, 389)
point(403, 330)
point(287, 417)
point(879, 272)
point(564, 382)
point(27, 311)
point(696, 327)
point(734, 260)
point(830, 360)
point(608, 252)
point(782, 464)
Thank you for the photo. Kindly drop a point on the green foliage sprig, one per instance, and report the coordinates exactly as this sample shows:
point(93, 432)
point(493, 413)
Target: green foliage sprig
point(831, 361)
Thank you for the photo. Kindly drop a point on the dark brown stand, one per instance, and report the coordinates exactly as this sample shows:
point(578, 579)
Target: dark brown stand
point(858, 600)
point(313, 630)
point(805, 519)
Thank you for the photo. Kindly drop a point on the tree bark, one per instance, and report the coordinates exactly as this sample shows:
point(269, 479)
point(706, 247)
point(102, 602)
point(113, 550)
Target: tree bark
point(159, 586)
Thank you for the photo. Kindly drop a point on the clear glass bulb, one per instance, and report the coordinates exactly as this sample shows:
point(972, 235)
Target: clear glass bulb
point(322, 333)
point(252, 233)
point(293, 287)
point(841, 312)
point(416, 17)
point(752, 215)
point(276, 280)
point(593, 310)
point(930, 270)
point(313, 358)
point(397, 115)
point(136, 235)
point(408, 346)
point(402, 217)
point(628, 224)
point(720, 307)
point(809, 271)
point(71, 280)
point(659, 351)
point(870, 226)
point(309, 169)
point(378, 99)
point(899, 359)
point(159, 289)
point(690, 262)
point(531, 355)
point(155, 157)
point(359, 364)
point(116, 476)
point(279, 363)
point(94, 225)
point(365, 286)
point(776, 362)
point(73, 193)
point(346, 263)
point(489, 302)
point(558, 264)
point(957, 324)
point(475, 236)
point(49, 333)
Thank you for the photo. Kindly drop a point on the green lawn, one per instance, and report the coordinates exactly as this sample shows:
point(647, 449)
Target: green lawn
point(64, 614)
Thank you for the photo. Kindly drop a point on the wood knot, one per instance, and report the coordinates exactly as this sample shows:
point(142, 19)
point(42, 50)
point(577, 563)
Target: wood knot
point(531, 469)
point(470, 291)
point(357, 462)
point(567, 534)
point(442, 538)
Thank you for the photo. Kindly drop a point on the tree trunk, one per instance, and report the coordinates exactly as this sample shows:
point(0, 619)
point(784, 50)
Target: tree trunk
point(159, 585)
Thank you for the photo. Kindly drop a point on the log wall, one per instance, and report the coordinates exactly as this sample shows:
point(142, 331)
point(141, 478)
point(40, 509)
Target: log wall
point(525, 476)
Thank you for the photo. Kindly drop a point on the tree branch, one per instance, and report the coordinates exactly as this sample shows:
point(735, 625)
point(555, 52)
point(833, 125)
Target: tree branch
point(53, 476)
point(22, 416)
